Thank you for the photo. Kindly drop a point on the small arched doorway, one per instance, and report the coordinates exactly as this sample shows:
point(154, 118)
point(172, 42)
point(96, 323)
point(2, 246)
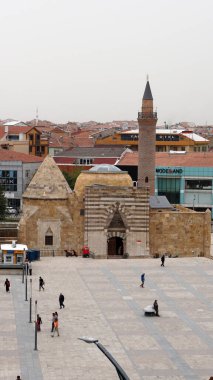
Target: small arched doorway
point(115, 246)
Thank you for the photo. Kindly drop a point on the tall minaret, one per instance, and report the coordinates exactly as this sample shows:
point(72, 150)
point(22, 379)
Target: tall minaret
point(147, 120)
point(36, 116)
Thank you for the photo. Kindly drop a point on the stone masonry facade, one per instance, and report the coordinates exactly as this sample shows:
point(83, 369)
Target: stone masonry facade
point(183, 233)
point(101, 205)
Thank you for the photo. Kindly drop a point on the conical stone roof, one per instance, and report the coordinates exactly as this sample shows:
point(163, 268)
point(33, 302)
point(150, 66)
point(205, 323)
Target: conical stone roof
point(48, 182)
point(147, 93)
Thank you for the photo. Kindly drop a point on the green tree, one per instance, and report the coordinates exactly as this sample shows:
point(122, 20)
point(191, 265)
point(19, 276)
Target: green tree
point(2, 204)
point(72, 176)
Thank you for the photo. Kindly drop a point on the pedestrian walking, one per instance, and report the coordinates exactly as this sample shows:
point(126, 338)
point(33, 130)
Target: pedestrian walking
point(30, 268)
point(7, 285)
point(53, 319)
point(155, 306)
point(162, 260)
point(61, 300)
point(38, 322)
point(41, 283)
point(55, 329)
point(142, 280)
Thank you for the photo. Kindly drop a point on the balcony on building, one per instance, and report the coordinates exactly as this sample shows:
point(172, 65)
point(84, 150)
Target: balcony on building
point(147, 115)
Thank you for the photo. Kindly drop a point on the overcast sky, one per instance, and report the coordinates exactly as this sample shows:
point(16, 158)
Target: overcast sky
point(81, 60)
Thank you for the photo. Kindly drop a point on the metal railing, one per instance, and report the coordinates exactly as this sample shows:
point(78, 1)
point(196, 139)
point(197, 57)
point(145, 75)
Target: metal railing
point(53, 252)
point(147, 115)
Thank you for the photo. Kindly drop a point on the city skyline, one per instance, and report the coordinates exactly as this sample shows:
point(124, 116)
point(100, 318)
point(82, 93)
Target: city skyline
point(81, 61)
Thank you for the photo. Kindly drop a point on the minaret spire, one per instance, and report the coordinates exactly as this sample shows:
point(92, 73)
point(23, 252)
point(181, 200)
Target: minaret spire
point(36, 121)
point(147, 120)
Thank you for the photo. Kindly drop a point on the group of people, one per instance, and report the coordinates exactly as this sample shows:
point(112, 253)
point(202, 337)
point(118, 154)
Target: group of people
point(55, 324)
point(155, 304)
point(54, 327)
point(28, 267)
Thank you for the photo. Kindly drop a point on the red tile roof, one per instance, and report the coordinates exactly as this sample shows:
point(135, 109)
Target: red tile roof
point(2, 132)
point(64, 160)
point(14, 129)
point(10, 155)
point(104, 160)
point(194, 159)
point(58, 141)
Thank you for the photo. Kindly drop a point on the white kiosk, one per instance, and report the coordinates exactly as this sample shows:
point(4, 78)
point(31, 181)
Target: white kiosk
point(13, 253)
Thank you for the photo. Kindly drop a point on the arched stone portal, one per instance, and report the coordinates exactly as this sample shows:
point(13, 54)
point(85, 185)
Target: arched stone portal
point(115, 246)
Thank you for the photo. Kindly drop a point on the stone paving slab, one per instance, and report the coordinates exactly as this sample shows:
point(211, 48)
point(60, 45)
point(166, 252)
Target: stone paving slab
point(103, 299)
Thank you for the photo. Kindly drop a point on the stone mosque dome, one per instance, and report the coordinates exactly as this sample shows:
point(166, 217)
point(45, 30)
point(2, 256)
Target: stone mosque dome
point(103, 174)
point(105, 168)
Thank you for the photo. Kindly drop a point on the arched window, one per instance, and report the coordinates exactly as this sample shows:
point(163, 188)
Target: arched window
point(146, 179)
point(49, 237)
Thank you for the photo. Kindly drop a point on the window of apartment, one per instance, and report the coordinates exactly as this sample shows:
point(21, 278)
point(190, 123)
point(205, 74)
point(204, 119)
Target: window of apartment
point(27, 173)
point(129, 137)
point(56, 151)
point(170, 187)
point(14, 202)
point(8, 180)
point(86, 161)
point(197, 184)
point(38, 150)
point(204, 148)
point(37, 138)
point(31, 137)
point(160, 148)
point(13, 137)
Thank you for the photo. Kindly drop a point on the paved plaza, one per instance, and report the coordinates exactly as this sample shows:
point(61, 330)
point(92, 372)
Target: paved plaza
point(103, 299)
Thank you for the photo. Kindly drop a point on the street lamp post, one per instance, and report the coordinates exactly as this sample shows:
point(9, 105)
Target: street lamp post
point(121, 373)
point(26, 286)
point(36, 348)
point(30, 319)
point(23, 273)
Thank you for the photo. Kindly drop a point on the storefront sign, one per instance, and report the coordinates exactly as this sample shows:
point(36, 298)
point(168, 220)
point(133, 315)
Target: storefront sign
point(169, 171)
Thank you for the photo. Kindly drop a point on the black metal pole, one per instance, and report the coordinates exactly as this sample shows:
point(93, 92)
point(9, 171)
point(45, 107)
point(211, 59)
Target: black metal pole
point(23, 274)
point(36, 347)
point(121, 373)
point(26, 288)
point(30, 319)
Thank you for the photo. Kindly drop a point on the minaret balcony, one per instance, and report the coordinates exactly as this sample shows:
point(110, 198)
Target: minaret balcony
point(147, 115)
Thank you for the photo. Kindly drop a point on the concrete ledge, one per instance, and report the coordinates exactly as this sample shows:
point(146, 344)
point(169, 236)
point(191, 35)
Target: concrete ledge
point(11, 269)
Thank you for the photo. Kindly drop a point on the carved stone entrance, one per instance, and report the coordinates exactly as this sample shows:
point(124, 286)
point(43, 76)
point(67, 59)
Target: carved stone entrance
point(115, 246)
point(116, 234)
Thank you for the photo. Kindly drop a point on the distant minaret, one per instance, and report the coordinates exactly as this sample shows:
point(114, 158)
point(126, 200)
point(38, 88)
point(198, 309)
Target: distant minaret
point(147, 120)
point(36, 115)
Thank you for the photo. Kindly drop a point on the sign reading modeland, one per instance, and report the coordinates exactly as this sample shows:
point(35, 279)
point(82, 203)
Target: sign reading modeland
point(169, 171)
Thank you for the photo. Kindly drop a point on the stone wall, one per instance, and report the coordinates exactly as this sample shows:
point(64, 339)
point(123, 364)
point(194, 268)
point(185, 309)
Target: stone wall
point(182, 232)
point(62, 217)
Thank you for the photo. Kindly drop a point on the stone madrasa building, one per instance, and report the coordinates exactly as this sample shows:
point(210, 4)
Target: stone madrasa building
point(106, 212)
